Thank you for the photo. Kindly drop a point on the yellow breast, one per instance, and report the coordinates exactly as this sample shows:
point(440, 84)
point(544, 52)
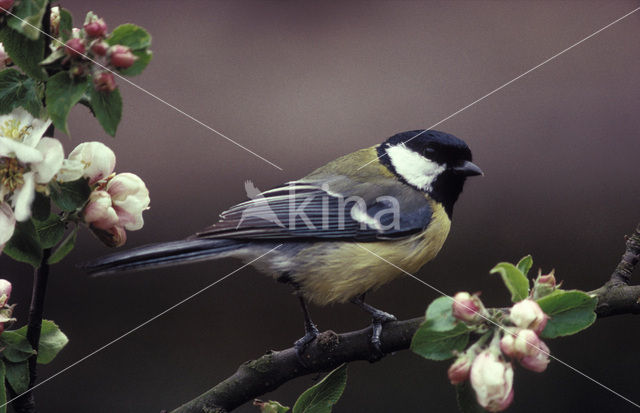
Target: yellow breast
point(338, 271)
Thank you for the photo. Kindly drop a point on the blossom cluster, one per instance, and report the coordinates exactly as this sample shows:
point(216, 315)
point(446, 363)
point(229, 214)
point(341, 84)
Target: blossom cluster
point(29, 163)
point(6, 310)
point(87, 51)
point(489, 367)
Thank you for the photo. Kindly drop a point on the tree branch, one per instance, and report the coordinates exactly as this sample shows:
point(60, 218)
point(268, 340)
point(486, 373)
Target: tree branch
point(267, 373)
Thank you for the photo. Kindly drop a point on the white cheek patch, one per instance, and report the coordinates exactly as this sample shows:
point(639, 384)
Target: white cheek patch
point(413, 167)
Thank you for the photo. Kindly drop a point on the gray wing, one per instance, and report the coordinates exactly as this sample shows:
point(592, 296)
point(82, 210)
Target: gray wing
point(336, 208)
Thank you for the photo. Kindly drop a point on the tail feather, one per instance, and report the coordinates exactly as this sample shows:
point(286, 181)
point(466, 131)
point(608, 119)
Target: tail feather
point(161, 255)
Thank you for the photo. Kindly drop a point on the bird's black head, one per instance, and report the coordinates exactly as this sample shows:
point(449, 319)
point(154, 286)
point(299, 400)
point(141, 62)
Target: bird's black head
point(430, 161)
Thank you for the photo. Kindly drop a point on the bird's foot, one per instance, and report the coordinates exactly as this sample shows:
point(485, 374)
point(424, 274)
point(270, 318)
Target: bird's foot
point(379, 318)
point(301, 344)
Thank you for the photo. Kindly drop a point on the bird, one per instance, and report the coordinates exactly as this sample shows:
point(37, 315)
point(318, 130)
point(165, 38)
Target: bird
point(328, 233)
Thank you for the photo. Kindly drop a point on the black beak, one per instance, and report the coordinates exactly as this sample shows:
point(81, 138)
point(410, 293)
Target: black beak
point(467, 168)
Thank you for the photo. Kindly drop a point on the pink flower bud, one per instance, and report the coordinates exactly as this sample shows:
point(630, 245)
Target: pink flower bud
point(544, 285)
point(100, 48)
point(74, 47)
point(121, 57)
point(538, 359)
point(130, 198)
point(99, 211)
point(528, 314)
point(460, 370)
point(115, 236)
point(104, 82)
point(492, 380)
point(466, 307)
point(96, 28)
point(521, 343)
point(5, 5)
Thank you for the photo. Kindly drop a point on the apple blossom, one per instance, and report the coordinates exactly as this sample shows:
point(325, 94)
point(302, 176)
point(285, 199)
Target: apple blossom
point(7, 223)
point(121, 57)
point(520, 343)
point(467, 307)
point(5, 291)
point(100, 48)
point(26, 159)
point(130, 198)
point(5, 5)
point(93, 160)
point(96, 28)
point(528, 314)
point(117, 204)
point(460, 369)
point(544, 285)
point(99, 211)
point(74, 47)
point(4, 57)
point(538, 359)
point(104, 82)
point(492, 380)
point(54, 26)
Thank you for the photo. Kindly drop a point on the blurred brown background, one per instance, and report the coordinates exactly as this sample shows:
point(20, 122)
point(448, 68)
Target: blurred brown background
point(302, 83)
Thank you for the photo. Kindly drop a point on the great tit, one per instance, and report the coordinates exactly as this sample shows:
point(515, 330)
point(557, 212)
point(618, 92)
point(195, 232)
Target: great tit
point(394, 199)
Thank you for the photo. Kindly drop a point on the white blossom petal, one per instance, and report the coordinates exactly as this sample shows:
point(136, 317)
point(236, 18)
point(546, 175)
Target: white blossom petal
point(7, 223)
point(24, 153)
point(71, 170)
point(53, 155)
point(97, 159)
point(130, 198)
point(23, 197)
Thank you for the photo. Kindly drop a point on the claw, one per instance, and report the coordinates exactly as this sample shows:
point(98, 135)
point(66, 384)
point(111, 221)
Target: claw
point(301, 344)
point(379, 317)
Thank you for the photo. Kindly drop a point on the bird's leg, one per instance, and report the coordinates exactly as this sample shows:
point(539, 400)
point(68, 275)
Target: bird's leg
point(310, 330)
point(379, 318)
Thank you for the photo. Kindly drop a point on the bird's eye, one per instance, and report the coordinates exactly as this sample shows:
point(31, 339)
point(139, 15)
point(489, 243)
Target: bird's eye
point(428, 151)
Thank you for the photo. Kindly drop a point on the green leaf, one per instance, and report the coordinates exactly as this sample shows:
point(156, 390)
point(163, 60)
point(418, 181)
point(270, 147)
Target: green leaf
point(439, 345)
point(569, 311)
point(28, 17)
point(41, 207)
point(24, 245)
point(52, 340)
point(17, 89)
point(62, 93)
point(3, 388)
point(69, 196)
point(524, 265)
point(466, 397)
point(439, 315)
point(321, 397)
point(514, 279)
point(64, 248)
point(18, 376)
point(107, 108)
point(270, 406)
point(144, 57)
point(130, 35)
point(440, 333)
point(16, 347)
point(66, 24)
point(24, 52)
point(50, 231)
